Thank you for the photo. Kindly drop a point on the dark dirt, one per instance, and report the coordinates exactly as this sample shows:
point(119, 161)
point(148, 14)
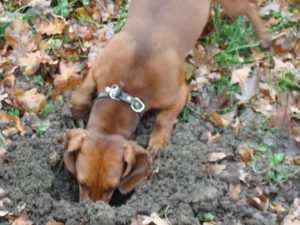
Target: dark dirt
point(179, 187)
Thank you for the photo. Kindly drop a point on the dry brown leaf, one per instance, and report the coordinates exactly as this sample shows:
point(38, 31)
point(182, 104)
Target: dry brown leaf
point(215, 118)
point(214, 169)
point(54, 223)
point(20, 38)
point(281, 116)
point(293, 218)
point(249, 90)
point(214, 139)
point(2, 152)
point(260, 202)
point(50, 27)
point(137, 220)
point(67, 78)
point(32, 101)
point(22, 220)
point(7, 119)
point(237, 126)
point(32, 61)
point(268, 91)
point(154, 219)
point(240, 75)
point(264, 106)
point(295, 160)
point(216, 156)
point(246, 152)
point(234, 191)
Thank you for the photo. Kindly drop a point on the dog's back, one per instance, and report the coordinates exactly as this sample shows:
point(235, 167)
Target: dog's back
point(160, 23)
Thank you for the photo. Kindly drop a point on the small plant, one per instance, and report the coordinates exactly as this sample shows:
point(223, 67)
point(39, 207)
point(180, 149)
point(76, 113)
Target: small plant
point(38, 79)
point(207, 217)
point(233, 36)
point(122, 19)
point(41, 127)
point(287, 81)
point(187, 115)
point(283, 21)
point(13, 111)
point(47, 108)
point(275, 168)
point(64, 7)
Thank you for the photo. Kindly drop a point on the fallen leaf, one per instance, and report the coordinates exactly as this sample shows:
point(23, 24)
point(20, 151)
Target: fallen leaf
point(216, 156)
point(137, 220)
point(22, 220)
point(67, 78)
point(32, 61)
point(214, 139)
point(16, 126)
point(234, 191)
point(215, 118)
point(246, 152)
point(293, 217)
point(20, 38)
point(281, 116)
point(260, 202)
point(240, 75)
point(249, 90)
point(214, 169)
point(237, 126)
point(50, 27)
point(268, 91)
point(154, 219)
point(32, 101)
point(54, 223)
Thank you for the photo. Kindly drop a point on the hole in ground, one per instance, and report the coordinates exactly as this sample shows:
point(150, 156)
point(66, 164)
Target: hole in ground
point(118, 199)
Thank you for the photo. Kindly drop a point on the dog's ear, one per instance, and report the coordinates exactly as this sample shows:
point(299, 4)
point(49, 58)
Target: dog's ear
point(72, 141)
point(138, 162)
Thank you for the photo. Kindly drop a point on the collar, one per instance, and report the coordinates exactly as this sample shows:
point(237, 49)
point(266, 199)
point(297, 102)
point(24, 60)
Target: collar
point(116, 93)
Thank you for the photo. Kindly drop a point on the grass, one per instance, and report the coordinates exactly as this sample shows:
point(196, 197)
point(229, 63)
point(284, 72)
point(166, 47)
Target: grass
point(233, 36)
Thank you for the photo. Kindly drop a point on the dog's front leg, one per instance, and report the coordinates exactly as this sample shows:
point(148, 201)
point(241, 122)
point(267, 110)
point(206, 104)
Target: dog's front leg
point(165, 121)
point(81, 97)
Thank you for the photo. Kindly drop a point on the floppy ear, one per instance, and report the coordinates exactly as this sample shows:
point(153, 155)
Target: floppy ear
point(72, 141)
point(138, 162)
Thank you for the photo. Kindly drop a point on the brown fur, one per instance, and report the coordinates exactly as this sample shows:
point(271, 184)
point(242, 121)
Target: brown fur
point(147, 56)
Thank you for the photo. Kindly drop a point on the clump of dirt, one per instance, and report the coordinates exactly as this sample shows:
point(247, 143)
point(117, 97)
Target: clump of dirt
point(179, 188)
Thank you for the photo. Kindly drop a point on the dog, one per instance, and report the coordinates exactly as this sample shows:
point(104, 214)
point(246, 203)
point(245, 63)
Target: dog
point(141, 68)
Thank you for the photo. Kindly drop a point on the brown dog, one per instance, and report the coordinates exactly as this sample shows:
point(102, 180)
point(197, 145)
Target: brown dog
point(147, 56)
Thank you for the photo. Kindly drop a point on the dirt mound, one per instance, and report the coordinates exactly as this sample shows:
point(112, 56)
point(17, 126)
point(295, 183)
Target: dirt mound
point(179, 188)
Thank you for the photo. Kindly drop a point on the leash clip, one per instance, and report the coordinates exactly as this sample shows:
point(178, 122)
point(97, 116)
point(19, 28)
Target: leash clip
point(114, 92)
point(137, 105)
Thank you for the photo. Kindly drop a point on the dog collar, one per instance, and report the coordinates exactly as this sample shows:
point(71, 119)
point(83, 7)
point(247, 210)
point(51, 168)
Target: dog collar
point(115, 92)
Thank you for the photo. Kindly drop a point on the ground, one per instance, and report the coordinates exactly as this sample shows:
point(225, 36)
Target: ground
point(234, 153)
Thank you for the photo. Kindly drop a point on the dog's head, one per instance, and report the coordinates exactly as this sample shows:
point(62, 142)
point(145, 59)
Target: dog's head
point(104, 163)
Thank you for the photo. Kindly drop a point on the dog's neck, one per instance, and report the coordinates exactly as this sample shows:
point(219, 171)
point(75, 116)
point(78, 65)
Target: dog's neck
point(113, 117)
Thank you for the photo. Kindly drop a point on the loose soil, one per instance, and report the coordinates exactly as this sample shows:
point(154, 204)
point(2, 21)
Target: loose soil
point(179, 188)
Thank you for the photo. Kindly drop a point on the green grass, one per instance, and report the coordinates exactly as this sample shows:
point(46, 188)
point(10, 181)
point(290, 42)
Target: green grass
point(234, 37)
point(122, 19)
point(286, 81)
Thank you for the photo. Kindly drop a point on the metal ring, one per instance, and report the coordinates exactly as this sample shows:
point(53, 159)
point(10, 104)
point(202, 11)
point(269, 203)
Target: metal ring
point(141, 104)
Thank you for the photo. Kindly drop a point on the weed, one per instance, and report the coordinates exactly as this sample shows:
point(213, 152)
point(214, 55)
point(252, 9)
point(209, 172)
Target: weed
point(122, 19)
point(52, 105)
point(187, 115)
point(207, 217)
point(64, 7)
point(233, 36)
point(283, 21)
point(41, 127)
point(287, 81)
point(13, 111)
point(275, 168)
point(38, 79)
point(47, 108)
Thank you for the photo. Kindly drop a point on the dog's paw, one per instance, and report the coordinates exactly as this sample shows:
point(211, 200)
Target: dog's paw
point(156, 142)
